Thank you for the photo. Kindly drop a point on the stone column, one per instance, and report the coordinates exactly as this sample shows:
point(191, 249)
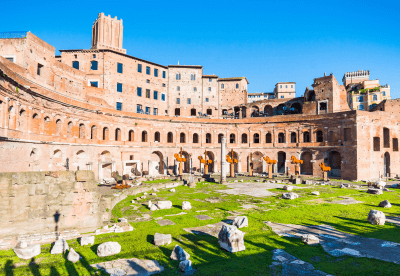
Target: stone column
point(223, 160)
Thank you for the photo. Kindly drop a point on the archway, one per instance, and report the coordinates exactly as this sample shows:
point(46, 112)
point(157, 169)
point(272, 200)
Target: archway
point(244, 112)
point(281, 109)
point(235, 156)
point(281, 162)
point(306, 168)
point(296, 108)
point(158, 157)
point(310, 96)
point(268, 110)
point(335, 162)
point(236, 110)
point(211, 165)
point(255, 111)
point(257, 162)
point(386, 164)
point(186, 164)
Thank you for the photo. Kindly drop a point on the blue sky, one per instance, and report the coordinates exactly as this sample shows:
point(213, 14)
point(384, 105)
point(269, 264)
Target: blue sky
point(266, 41)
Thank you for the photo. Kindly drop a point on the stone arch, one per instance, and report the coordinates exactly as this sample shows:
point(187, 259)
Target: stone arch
point(170, 137)
point(220, 136)
point(208, 138)
point(256, 138)
point(195, 138)
point(211, 156)
point(81, 131)
point(22, 124)
point(157, 137)
point(69, 128)
point(320, 136)
point(306, 137)
point(105, 133)
point(131, 136)
point(232, 138)
point(235, 156)
point(268, 138)
point(244, 112)
point(93, 132)
point(293, 137)
point(280, 109)
point(255, 111)
point(182, 138)
point(268, 110)
point(310, 96)
point(81, 154)
point(244, 138)
point(307, 167)
point(159, 157)
point(144, 136)
point(58, 126)
point(257, 162)
point(296, 108)
point(281, 137)
point(105, 156)
point(117, 134)
point(186, 164)
point(57, 153)
point(281, 162)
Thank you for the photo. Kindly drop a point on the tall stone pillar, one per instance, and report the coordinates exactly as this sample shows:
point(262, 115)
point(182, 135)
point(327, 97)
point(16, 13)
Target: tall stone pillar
point(223, 160)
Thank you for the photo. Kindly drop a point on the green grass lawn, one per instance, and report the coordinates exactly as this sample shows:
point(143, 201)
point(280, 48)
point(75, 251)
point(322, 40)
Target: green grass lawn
point(206, 255)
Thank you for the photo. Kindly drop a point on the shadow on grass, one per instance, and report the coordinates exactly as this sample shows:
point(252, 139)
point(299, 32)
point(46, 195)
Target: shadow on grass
point(34, 267)
point(9, 267)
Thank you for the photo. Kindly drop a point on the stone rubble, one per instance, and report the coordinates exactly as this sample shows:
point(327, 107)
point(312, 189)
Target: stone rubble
point(241, 222)
point(231, 239)
point(186, 205)
point(288, 188)
point(25, 251)
point(178, 254)
point(108, 249)
point(86, 240)
point(310, 239)
point(186, 266)
point(162, 239)
point(375, 191)
point(315, 193)
point(73, 256)
point(164, 204)
point(131, 267)
point(59, 247)
point(290, 196)
point(385, 204)
point(376, 217)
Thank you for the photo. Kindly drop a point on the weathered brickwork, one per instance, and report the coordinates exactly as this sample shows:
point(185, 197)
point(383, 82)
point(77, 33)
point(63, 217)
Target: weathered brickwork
point(53, 118)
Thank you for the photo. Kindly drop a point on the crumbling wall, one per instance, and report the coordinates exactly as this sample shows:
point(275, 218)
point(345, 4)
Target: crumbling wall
point(30, 202)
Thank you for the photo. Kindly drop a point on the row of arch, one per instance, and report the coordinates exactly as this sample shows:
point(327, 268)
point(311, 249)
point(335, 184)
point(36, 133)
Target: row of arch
point(267, 110)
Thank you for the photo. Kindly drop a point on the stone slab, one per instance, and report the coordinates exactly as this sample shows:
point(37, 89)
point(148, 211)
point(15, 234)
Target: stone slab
point(165, 222)
point(253, 189)
point(203, 217)
point(338, 243)
point(209, 229)
point(137, 267)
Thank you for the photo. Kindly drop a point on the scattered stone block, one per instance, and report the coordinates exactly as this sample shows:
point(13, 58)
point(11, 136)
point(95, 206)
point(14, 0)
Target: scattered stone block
point(26, 252)
point(131, 267)
point(310, 239)
point(149, 204)
point(153, 194)
point(380, 184)
point(385, 204)
point(315, 193)
point(108, 249)
point(172, 190)
point(186, 205)
point(231, 239)
point(164, 204)
point(375, 191)
point(73, 256)
point(297, 181)
point(122, 220)
point(165, 222)
point(241, 222)
point(87, 240)
point(376, 217)
point(288, 188)
point(203, 217)
point(178, 254)
point(132, 201)
point(153, 207)
point(290, 196)
point(308, 182)
point(162, 239)
point(59, 247)
point(186, 266)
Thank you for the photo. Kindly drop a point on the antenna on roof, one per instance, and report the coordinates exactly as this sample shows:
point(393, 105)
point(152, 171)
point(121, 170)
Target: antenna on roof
point(178, 62)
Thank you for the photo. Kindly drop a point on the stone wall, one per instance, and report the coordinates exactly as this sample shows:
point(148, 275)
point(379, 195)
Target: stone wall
point(31, 201)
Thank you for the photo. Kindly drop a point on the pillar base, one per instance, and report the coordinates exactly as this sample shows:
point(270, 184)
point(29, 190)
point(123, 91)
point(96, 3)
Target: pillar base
point(325, 176)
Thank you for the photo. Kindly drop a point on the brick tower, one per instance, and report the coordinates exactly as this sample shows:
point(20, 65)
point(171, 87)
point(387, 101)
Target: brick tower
point(107, 33)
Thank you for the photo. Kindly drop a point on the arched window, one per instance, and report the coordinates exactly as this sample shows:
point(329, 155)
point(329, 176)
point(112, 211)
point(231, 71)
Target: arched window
point(182, 137)
point(82, 131)
point(178, 76)
point(58, 126)
point(35, 116)
point(117, 134)
point(192, 76)
point(268, 138)
point(131, 137)
point(281, 137)
point(232, 138)
point(93, 65)
point(93, 133)
point(244, 138)
point(306, 137)
point(293, 137)
point(75, 64)
point(69, 129)
point(222, 86)
point(144, 136)
point(105, 133)
point(170, 137)
point(195, 138)
point(220, 138)
point(157, 137)
point(208, 138)
point(256, 138)
point(320, 136)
